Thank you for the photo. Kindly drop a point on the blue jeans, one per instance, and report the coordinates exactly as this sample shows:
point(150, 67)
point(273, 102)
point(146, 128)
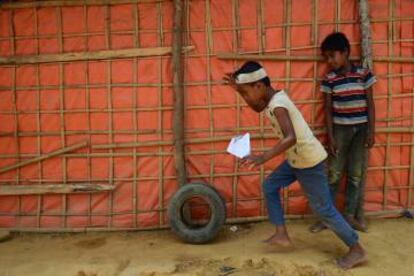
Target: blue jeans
point(315, 185)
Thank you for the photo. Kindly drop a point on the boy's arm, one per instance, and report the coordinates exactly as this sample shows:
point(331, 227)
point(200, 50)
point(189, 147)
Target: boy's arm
point(288, 140)
point(371, 118)
point(329, 123)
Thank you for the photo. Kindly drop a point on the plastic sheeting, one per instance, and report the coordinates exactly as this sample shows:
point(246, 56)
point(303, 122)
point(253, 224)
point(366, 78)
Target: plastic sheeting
point(44, 107)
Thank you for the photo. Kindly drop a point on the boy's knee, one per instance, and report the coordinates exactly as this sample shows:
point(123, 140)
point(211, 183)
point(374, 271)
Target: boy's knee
point(323, 207)
point(269, 187)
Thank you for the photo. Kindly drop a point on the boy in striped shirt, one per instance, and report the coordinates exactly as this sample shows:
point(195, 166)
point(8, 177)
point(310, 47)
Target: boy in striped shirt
point(350, 121)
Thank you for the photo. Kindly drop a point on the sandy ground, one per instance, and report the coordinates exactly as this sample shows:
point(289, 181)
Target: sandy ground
point(390, 245)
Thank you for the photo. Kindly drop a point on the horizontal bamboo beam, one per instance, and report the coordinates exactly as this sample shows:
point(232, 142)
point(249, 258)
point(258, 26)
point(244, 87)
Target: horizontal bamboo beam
point(98, 55)
point(316, 130)
point(231, 56)
point(43, 157)
point(41, 189)
point(394, 213)
point(227, 138)
point(41, 4)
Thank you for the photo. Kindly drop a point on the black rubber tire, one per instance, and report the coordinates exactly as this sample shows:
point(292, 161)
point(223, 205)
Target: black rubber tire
point(206, 232)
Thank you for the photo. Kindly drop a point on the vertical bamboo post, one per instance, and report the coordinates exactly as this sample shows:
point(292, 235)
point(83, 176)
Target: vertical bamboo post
point(38, 128)
point(411, 173)
point(108, 46)
point(314, 41)
point(12, 36)
point(366, 52)
point(61, 112)
point(178, 116)
point(209, 46)
point(389, 101)
point(134, 117)
point(236, 43)
point(160, 42)
point(87, 106)
point(261, 36)
point(365, 34)
point(287, 17)
point(337, 14)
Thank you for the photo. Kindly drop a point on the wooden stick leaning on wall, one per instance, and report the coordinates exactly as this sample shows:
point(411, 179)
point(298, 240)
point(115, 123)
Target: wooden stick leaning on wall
point(44, 157)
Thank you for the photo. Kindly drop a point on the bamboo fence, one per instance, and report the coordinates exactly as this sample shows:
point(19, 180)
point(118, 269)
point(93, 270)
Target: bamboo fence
point(158, 142)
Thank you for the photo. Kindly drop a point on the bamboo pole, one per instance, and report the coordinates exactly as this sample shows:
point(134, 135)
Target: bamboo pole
point(192, 83)
point(12, 35)
point(43, 157)
point(236, 43)
point(178, 115)
point(366, 57)
point(392, 213)
point(108, 64)
point(287, 17)
point(365, 28)
point(262, 46)
point(160, 42)
point(98, 55)
point(389, 103)
point(317, 130)
point(209, 47)
point(38, 116)
point(61, 113)
point(63, 3)
point(136, 42)
point(226, 56)
point(53, 189)
point(205, 175)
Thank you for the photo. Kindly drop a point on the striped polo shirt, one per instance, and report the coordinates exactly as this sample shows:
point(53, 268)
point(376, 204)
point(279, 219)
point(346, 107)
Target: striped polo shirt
point(349, 97)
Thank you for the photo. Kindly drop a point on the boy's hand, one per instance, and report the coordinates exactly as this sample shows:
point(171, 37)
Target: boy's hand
point(252, 161)
point(229, 80)
point(370, 140)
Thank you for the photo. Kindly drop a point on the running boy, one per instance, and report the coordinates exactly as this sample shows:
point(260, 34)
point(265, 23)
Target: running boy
point(305, 160)
point(350, 121)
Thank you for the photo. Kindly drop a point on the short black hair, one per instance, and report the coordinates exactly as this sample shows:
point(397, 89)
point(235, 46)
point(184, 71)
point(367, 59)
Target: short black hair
point(251, 66)
point(336, 41)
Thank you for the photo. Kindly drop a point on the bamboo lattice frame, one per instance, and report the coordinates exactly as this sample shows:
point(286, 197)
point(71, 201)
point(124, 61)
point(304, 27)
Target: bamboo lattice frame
point(212, 135)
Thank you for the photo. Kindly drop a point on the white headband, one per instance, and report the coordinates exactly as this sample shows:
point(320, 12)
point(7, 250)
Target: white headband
point(251, 77)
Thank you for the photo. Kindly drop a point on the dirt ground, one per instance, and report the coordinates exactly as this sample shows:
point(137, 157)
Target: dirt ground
point(390, 245)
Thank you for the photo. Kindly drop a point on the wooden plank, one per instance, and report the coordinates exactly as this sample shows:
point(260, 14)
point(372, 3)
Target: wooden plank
point(43, 157)
point(40, 189)
point(98, 55)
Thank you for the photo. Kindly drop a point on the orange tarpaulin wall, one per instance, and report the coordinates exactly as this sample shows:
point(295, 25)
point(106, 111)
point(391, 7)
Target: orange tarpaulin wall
point(48, 106)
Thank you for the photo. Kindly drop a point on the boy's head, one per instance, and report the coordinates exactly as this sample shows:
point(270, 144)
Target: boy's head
point(252, 83)
point(335, 49)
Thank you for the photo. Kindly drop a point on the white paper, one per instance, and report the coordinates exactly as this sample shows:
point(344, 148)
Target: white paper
point(239, 146)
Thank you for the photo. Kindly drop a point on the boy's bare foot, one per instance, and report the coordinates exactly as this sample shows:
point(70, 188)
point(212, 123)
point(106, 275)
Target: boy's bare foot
point(317, 227)
point(355, 224)
point(354, 257)
point(278, 239)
